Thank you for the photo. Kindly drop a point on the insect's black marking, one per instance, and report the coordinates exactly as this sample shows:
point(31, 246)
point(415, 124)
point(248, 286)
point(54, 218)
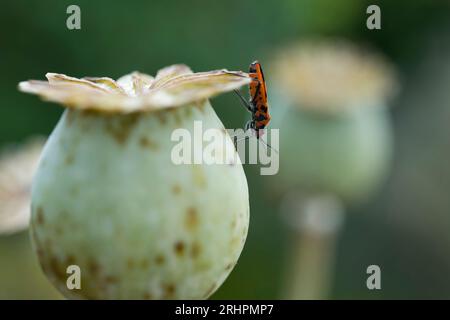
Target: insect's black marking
point(261, 117)
point(256, 96)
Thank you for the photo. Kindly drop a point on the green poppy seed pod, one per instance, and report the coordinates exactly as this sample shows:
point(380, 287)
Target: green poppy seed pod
point(108, 199)
point(335, 132)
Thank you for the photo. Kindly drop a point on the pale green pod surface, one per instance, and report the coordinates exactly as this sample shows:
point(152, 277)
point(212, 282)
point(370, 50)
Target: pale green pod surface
point(346, 154)
point(108, 199)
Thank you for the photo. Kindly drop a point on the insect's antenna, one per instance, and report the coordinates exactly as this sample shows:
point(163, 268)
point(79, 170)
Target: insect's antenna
point(244, 102)
point(237, 140)
point(268, 145)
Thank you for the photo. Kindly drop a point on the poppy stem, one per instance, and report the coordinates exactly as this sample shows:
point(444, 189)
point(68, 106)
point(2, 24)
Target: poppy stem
point(316, 221)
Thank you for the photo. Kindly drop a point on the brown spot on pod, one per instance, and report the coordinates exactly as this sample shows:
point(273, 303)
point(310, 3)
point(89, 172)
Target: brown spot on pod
point(93, 267)
point(111, 280)
point(88, 113)
point(169, 291)
point(179, 248)
point(70, 260)
point(40, 215)
point(176, 115)
point(201, 106)
point(57, 269)
point(159, 260)
point(120, 127)
point(40, 253)
point(147, 296)
point(191, 220)
point(146, 142)
point(195, 250)
point(176, 189)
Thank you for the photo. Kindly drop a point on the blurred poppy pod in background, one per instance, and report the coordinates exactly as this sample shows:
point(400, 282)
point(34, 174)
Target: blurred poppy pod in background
point(331, 108)
point(330, 101)
point(20, 274)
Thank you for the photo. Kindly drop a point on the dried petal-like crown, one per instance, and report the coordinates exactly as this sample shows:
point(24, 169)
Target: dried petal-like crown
point(173, 86)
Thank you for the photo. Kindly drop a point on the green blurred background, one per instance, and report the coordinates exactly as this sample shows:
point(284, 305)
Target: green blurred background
point(404, 228)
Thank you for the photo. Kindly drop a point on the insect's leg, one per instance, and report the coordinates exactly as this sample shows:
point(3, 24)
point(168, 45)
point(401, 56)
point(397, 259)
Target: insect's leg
point(240, 139)
point(249, 125)
point(236, 140)
point(266, 144)
point(246, 104)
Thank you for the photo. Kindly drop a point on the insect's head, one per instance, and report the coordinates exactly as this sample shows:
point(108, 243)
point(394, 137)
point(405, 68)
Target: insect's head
point(253, 66)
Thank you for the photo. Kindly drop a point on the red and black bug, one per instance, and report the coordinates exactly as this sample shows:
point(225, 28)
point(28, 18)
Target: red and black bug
point(257, 105)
